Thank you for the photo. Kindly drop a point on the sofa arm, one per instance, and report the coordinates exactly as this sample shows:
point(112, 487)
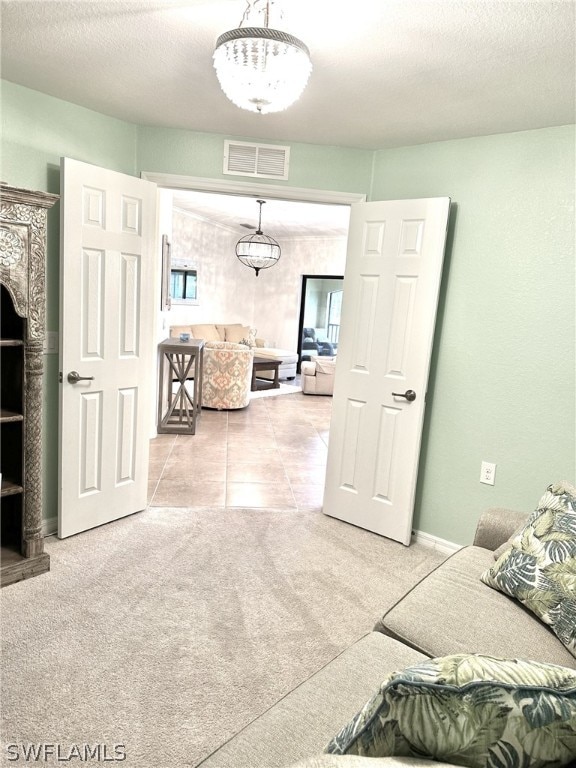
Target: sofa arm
point(308, 368)
point(496, 525)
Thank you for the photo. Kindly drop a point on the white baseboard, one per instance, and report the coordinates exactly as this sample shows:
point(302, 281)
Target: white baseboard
point(440, 545)
point(50, 526)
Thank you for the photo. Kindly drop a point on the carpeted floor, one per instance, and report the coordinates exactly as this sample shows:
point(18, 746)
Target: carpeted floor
point(170, 630)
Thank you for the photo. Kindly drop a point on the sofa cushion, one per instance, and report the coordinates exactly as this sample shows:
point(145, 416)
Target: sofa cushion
point(241, 334)
point(176, 330)
point(300, 724)
point(451, 611)
point(325, 365)
point(285, 355)
point(207, 331)
point(469, 710)
point(539, 569)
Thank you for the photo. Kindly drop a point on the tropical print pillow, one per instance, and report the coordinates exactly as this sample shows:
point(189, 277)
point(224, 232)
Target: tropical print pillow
point(539, 569)
point(469, 710)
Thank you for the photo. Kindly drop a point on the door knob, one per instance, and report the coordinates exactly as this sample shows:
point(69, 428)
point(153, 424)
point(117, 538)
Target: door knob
point(74, 377)
point(410, 395)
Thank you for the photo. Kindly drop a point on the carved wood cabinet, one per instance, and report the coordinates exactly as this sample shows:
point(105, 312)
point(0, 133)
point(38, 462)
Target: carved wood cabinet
point(22, 331)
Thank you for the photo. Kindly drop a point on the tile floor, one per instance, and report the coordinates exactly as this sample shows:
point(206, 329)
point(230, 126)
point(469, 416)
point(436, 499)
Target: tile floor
point(270, 454)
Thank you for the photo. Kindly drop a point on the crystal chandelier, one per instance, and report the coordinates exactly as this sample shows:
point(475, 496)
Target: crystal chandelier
point(258, 251)
point(259, 68)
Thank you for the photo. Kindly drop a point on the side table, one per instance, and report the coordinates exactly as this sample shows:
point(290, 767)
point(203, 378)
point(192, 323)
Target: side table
point(179, 362)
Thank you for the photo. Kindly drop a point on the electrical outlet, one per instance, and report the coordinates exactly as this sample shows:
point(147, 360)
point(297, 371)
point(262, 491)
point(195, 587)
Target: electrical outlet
point(487, 473)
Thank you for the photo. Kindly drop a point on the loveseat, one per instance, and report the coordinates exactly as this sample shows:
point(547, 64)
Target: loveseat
point(450, 611)
point(243, 334)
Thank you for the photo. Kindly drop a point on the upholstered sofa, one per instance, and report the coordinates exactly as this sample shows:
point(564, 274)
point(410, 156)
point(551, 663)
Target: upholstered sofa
point(238, 333)
point(318, 376)
point(450, 611)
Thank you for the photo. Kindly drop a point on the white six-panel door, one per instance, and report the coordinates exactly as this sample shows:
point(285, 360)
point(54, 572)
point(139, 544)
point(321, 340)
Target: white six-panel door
point(391, 286)
point(106, 336)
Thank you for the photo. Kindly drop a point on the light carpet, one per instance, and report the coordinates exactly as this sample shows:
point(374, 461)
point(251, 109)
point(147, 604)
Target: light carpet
point(283, 389)
point(170, 630)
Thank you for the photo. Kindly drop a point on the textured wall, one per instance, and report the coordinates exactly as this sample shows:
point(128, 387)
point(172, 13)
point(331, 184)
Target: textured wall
point(230, 292)
point(503, 369)
point(37, 130)
point(503, 373)
point(168, 150)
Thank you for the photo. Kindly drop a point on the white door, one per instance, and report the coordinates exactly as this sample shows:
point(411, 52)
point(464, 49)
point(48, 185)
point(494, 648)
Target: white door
point(391, 285)
point(107, 273)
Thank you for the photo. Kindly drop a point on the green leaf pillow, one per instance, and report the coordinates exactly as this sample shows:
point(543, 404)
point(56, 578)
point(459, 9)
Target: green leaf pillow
point(469, 710)
point(539, 569)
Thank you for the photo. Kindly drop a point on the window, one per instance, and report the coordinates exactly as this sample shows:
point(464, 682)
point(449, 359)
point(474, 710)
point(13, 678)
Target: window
point(334, 310)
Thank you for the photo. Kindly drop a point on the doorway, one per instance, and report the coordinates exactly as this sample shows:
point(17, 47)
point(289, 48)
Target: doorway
point(319, 319)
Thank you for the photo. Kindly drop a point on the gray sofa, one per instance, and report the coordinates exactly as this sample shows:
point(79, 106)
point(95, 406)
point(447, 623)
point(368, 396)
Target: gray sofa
point(449, 611)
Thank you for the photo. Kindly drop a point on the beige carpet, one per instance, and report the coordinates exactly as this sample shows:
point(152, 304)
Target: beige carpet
point(170, 630)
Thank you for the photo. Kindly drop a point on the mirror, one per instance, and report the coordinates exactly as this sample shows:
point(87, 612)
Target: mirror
point(320, 309)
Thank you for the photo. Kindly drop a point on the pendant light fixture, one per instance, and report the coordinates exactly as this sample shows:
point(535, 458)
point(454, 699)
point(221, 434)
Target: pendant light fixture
point(261, 69)
point(258, 251)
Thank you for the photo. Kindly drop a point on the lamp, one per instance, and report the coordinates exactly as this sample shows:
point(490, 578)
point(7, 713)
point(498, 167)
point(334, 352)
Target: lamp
point(258, 251)
point(261, 69)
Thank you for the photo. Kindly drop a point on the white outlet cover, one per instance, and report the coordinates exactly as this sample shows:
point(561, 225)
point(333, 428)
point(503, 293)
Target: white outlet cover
point(487, 473)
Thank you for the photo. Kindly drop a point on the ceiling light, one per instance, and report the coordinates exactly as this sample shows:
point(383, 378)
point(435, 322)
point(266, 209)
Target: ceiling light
point(259, 68)
point(258, 251)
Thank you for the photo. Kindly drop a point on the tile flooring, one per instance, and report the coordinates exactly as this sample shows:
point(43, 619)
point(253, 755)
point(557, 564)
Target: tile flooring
point(270, 454)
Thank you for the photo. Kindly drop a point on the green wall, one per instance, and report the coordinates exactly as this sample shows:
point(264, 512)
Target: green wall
point(36, 131)
point(169, 150)
point(503, 372)
point(502, 384)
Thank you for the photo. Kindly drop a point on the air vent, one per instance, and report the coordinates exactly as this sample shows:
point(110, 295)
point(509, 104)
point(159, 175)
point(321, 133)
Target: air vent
point(264, 161)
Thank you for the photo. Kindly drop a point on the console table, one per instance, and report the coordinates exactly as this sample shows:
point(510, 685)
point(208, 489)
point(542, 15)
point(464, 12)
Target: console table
point(179, 363)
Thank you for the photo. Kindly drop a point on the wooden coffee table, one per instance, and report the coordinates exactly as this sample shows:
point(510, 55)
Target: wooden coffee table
point(265, 364)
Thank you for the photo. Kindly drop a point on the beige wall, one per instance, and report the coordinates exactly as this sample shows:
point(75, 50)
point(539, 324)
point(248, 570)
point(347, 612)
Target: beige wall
point(229, 292)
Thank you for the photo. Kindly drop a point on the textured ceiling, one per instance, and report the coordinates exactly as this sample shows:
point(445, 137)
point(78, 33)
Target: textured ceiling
point(386, 72)
point(282, 219)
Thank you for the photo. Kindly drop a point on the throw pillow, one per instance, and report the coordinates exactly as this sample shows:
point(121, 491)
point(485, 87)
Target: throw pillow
point(470, 710)
point(539, 569)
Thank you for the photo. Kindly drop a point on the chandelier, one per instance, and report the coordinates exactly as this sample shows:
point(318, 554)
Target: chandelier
point(258, 251)
point(259, 68)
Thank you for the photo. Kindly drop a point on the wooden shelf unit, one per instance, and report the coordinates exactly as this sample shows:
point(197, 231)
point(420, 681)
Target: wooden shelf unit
point(22, 330)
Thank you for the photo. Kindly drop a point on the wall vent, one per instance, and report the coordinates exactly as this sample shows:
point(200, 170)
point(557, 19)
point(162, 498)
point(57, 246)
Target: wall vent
point(263, 161)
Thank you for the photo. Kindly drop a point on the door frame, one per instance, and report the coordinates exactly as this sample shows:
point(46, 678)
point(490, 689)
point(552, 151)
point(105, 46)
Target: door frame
point(251, 189)
point(247, 189)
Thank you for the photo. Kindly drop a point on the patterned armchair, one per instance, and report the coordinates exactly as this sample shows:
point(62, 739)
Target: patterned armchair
point(227, 375)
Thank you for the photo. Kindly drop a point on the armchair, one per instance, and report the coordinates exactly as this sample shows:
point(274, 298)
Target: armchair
point(318, 376)
point(227, 375)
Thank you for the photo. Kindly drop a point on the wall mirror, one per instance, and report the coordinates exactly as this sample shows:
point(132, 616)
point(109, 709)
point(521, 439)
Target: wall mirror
point(319, 325)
